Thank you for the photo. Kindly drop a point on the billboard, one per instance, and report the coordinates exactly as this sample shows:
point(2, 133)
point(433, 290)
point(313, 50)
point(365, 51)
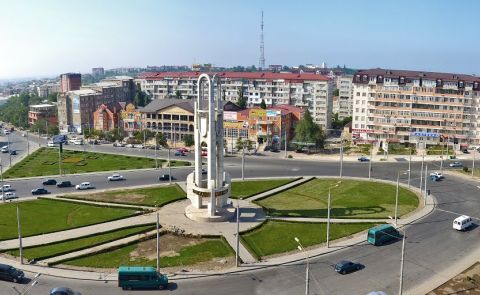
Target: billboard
point(76, 104)
point(273, 113)
point(230, 116)
point(257, 112)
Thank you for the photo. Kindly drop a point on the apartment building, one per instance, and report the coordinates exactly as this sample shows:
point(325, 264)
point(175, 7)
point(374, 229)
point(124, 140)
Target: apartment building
point(307, 90)
point(46, 112)
point(345, 93)
point(47, 89)
point(107, 116)
point(76, 108)
point(70, 81)
point(424, 108)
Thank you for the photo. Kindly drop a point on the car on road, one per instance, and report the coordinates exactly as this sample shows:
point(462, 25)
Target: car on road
point(118, 144)
point(6, 132)
point(346, 266)
point(13, 152)
point(64, 183)
point(7, 188)
point(363, 159)
point(78, 141)
point(40, 191)
point(183, 150)
point(129, 145)
point(84, 186)
point(465, 151)
point(50, 181)
point(63, 291)
point(139, 146)
point(165, 177)
point(8, 196)
point(456, 164)
point(115, 177)
point(462, 223)
point(4, 149)
point(10, 273)
point(179, 153)
point(51, 144)
point(437, 174)
point(150, 278)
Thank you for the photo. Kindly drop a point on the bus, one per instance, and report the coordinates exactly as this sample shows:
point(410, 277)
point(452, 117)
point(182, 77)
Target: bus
point(133, 277)
point(381, 234)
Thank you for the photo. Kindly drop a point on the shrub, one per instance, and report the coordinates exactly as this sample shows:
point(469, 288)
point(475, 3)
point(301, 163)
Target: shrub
point(465, 169)
point(290, 156)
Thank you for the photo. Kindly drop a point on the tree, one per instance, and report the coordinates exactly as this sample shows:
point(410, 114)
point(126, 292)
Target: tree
point(188, 140)
point(242, 100)
point(146, 134)
point(114, 135)
point(178, 95)
point(140, 99)
point(245, 143)
point(52, 97)
point(308, 131)
point(336, 92)
point(161, 140)
point(263, 105)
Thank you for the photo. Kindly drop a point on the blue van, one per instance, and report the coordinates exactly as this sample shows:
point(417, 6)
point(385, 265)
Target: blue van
point(141, 277)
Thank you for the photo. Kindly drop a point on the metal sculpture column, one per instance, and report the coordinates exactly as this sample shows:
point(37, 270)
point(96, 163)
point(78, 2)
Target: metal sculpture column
point(208, 132)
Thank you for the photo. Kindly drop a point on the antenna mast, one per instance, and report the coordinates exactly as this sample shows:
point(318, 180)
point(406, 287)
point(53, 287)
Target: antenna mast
point(261, 62)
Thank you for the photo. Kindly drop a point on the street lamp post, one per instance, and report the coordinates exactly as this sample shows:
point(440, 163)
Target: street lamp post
point(421, 175)
point(237, 259)
point(425, 184)
point(9, 151)
point(19, 236)
point(243, 162)
point(158, 242)
point(156, 160)
point(370, 163)
point(307, 257)
point(341, 157)
point(409, 165)
point(1, 178)
point(473, 163)
point(396, 193)
point(328, 212)
point(169, 167)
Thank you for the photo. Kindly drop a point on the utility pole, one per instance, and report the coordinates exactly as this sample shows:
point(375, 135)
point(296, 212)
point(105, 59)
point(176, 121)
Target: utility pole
point(400, 290)
point(46, 128)
point(243, 162)
point(425, 183)
point(169, 168)
point(341, 157)
point(158, 243)
point(60, 159)
point(307, 257)
point(1, 177)
point(328, 219)
point(9, 151)
point(237, 260)
point(370, 163)
point(396, 197)
point(286, 143)
point(19, 235)
point(421, 175)
point(473, 163)
point(28, 145)
point(409, 165)
point(156, 160)
point(39, 144)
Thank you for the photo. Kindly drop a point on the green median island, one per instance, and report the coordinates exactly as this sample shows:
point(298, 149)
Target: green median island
point(152, 196)
point(350, 199)
point(247, 188)
point(276, 236)
point(60, 248)
point(44, 162)
point(175, 250)
point(45, 216)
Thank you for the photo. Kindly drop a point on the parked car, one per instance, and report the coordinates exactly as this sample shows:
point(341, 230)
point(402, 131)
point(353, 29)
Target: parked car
point(456, 164)
point(39, 191)
point(129, 145)
point(183, 150)
point(93, 141)
point(63, 291)
point(139, 146)
point(50, 181)
point(6, 132)
point(78, 141)
point(118, 144)
point(8, 196)
point(10, 273)
point(7, 188)
point(363, 159)
point(465, 151)
point(4, 149)
point(179, 153)
point(346, 266)
point(51, 144)
point(64, 183)
point(115, 177)
point(13, 152)
point(84, 186)
point(165, 177)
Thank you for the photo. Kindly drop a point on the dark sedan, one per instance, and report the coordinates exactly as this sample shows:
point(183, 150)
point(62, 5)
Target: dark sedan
point(65, 183)
point(345, 266)
point(363, 159)
point(63, 291)
point(165, 177)
point(39, 191)
point(50, 182)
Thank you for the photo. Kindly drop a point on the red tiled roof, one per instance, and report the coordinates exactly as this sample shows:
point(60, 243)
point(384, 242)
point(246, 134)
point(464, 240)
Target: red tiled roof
point(239, 75)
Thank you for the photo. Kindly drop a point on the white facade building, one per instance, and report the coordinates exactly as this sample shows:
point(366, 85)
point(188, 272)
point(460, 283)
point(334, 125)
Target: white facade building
point(308, 90)
point(345, 93)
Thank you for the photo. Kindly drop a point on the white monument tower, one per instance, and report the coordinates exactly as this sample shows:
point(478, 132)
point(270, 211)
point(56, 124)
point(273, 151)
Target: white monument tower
point(208, 135)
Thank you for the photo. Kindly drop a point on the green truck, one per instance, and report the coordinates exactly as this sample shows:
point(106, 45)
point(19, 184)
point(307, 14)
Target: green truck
point(141, 277)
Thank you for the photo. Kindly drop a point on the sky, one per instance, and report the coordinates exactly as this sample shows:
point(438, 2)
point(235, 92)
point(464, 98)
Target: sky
point(49, 37)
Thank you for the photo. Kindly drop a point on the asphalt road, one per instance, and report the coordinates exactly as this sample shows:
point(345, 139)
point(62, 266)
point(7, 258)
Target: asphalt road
point(431, 246)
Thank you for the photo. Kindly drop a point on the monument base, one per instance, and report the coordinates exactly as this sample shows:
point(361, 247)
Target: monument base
point(203, 214)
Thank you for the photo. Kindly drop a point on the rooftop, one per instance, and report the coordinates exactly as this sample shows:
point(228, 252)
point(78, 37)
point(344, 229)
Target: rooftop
point(386, 73)
point(296, 77)
point(44, 105)
point(158, 104)
point(83, 92)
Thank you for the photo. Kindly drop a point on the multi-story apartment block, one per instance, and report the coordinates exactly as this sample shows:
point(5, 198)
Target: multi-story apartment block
point(47, 89)
point(98, 71)
point(424, 108)
point(76, 108)
point(70, 81)
point(345, 91)
point(131, 119)
point(46, 112)
point(310, 90)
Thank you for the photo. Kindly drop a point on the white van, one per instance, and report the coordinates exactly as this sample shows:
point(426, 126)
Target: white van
point(463, 222)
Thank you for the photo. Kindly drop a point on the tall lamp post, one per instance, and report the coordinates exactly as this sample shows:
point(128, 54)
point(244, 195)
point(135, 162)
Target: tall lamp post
point(307, 257)
point(328, 212)
point(370, 163)
point(473, 163)
point(396, 192)
point(402, 260)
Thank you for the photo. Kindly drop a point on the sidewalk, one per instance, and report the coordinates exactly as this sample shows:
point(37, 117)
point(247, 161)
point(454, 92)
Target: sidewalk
point(280, 189)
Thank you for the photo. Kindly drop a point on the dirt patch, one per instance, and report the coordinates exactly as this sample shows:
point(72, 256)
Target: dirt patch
point(118, 198)
point(468, 282)
point(169, 245)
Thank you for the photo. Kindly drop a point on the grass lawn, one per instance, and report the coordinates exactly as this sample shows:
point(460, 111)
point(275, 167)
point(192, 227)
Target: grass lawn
point(248, 188)
point(153, 196)
point(439, 150)
point(175, 252)
point(45, 216)
point(45, 162)
point(176, 163)
point(278, 236)
point(56, 249)
point(351, 199)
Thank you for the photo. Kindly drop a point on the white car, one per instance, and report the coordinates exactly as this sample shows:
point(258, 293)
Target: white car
point(77, 142)
point(116, 177)
point(439, 175)
point(84, 186)
point(51, 144)
point(6, 131)
point(455, 164)
point(7, 188)
point(129, 145)
point(8, 196)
